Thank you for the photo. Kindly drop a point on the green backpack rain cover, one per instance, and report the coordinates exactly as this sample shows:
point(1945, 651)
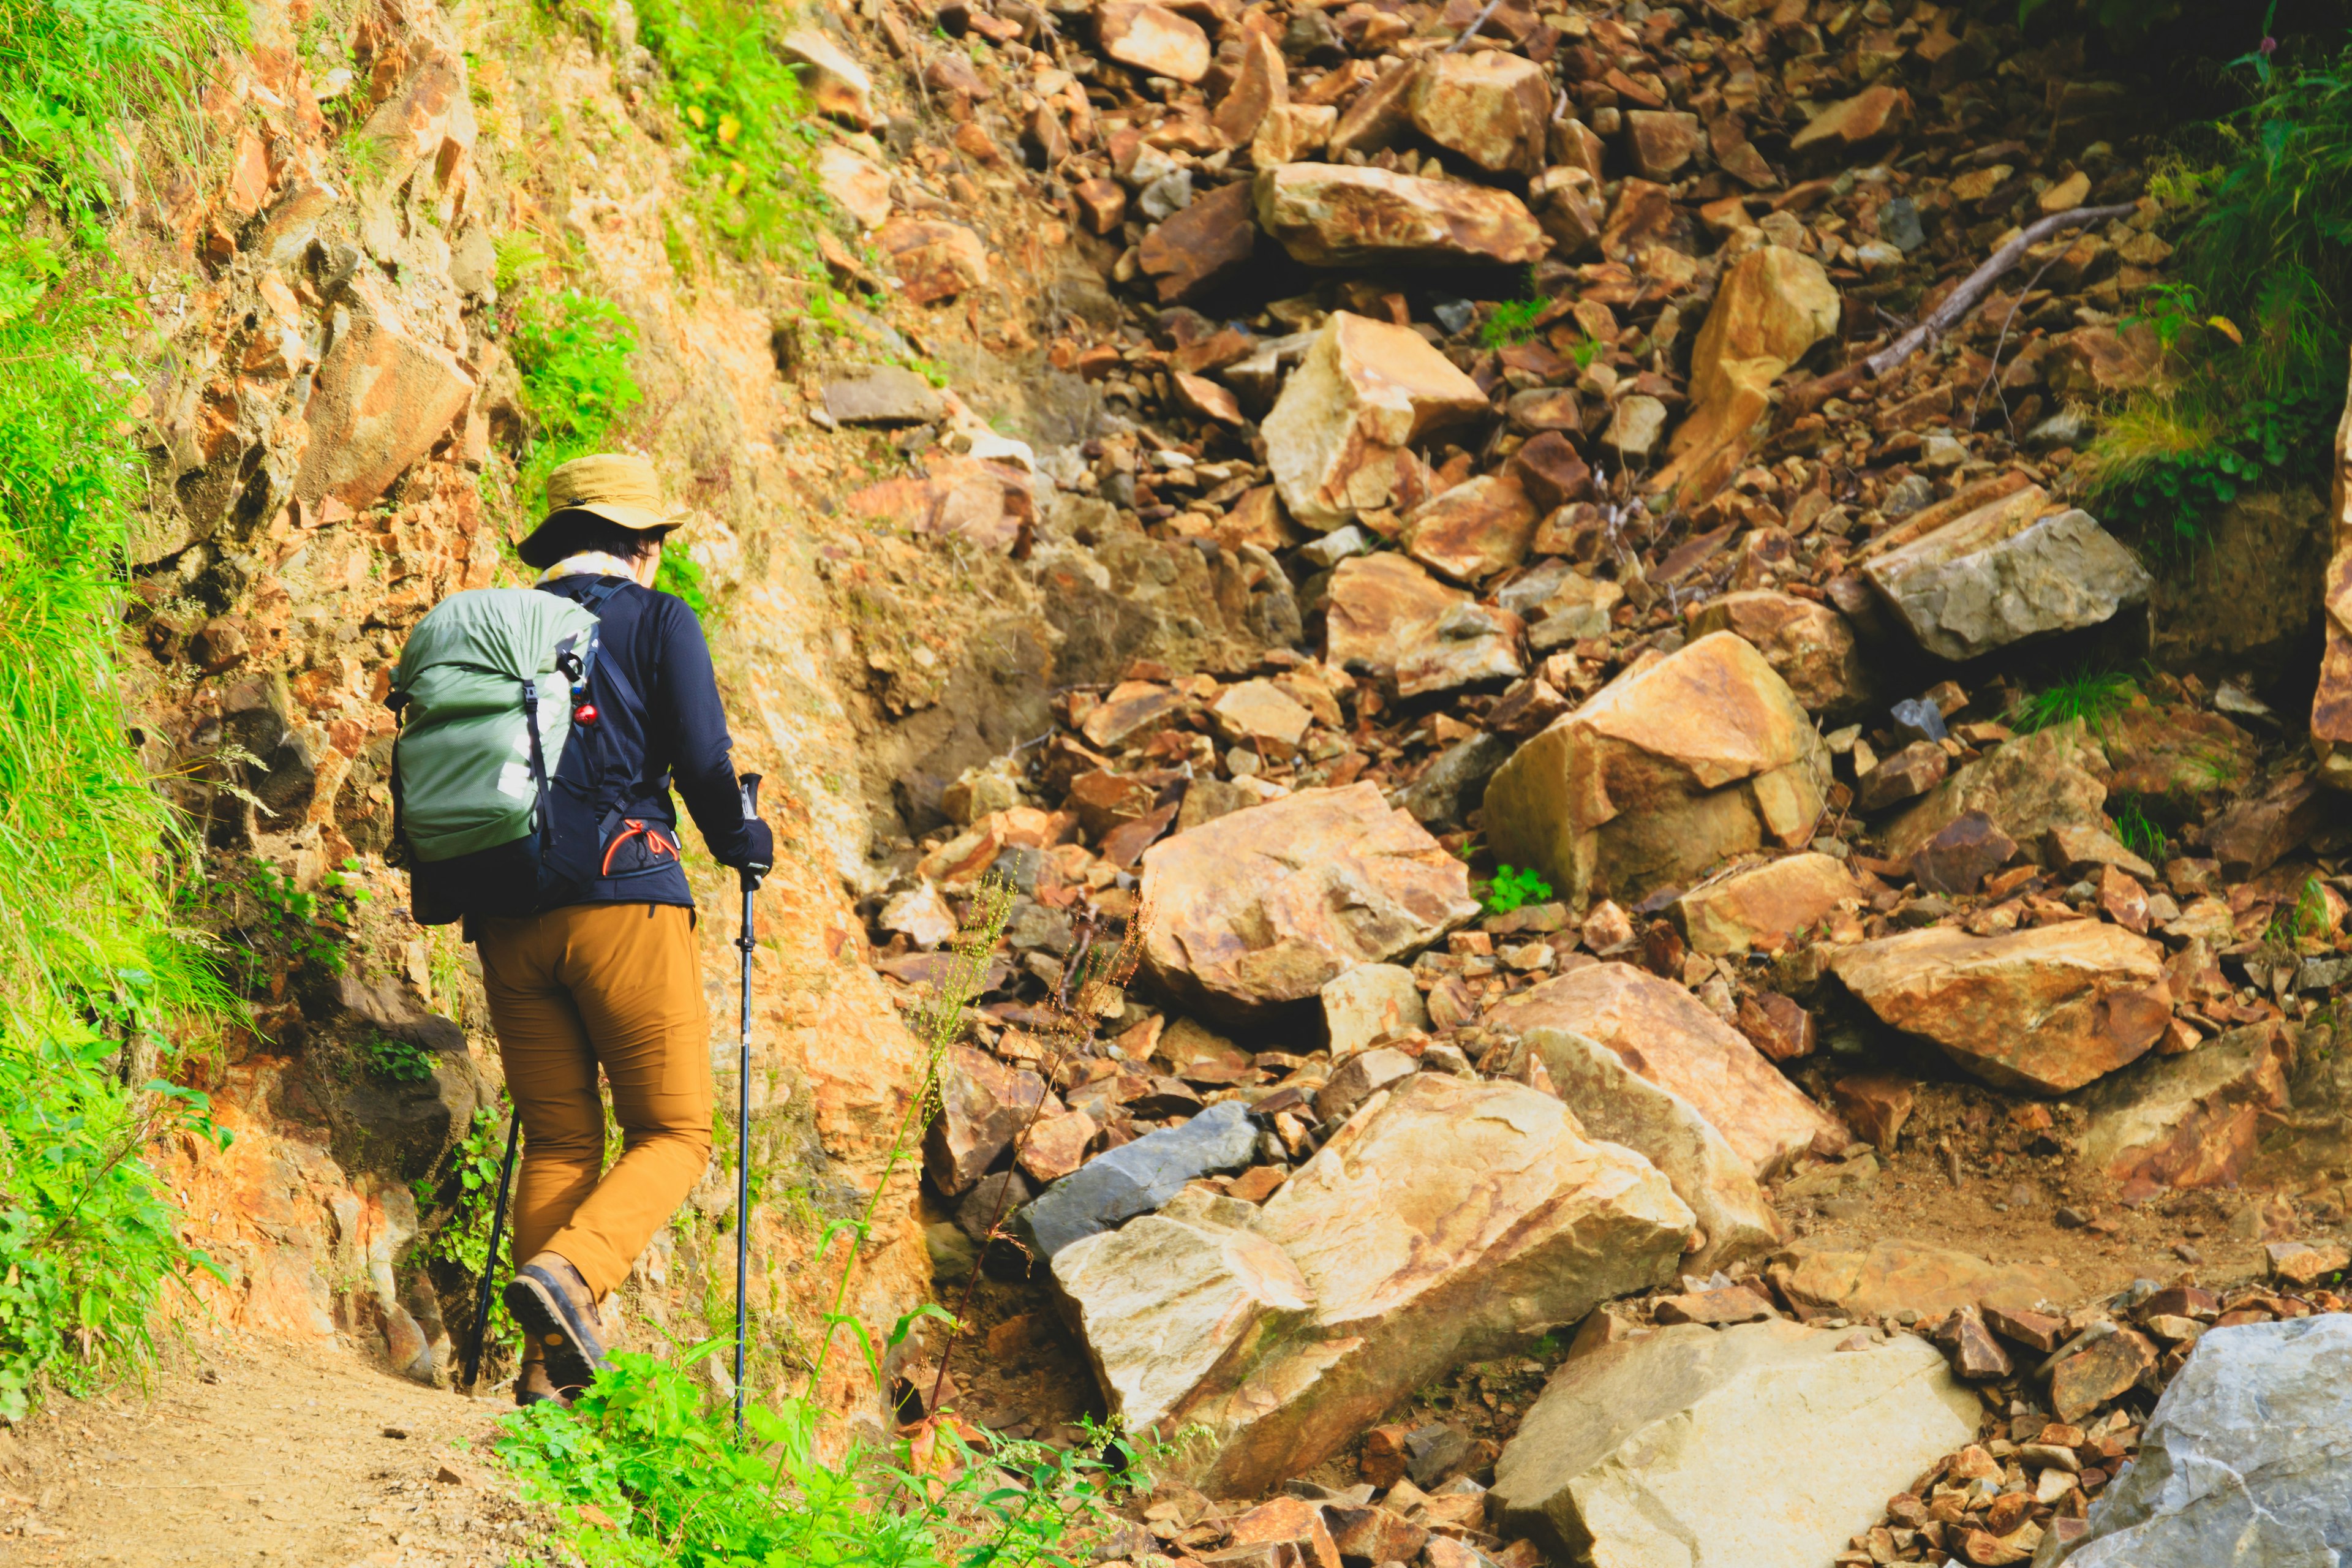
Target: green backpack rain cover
point(463, 759)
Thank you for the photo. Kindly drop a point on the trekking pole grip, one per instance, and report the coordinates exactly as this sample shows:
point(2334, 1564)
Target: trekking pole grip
point(747, 789)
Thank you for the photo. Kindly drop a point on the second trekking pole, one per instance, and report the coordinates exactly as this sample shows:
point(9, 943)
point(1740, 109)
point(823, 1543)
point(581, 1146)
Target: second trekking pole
point(750, 875)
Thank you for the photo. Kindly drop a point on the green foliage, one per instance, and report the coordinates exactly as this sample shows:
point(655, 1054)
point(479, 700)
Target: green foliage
point(88, 1236)
point(292, 920)
point(2169, 465)
point(642, 1447)
point(1510, 889)
point(678, 575)
point(2092, 696)
point(1514, 321)
point(397, 1060)
point(573, 350)
point(745, 115)
point(2136, 831)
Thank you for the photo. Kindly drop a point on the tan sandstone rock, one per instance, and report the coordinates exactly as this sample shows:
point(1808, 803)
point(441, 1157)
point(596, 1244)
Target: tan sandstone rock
point(1380, 609)
point(384, 395)
point(1810, 645)
point(1290, 132)
point(2192, 1120)
point(1478, 528)
point(1265, 905)
point(1153, 39)
point(837, 84)
point(1367, 1002)
point(1341, 435)
point(1818, 1280)
point(1762, 1445)
point(1335, 215)
point(2043, 1010)
point(1447, 1221)
point(1668, 1037)
point(1669, 770)
point(935, 259)
point(2051, 779)
point(1874, 112)
point(1764, 906)
point(1261, 86)
point(1492, 108)
point(1774, 305)
point(2331, 704)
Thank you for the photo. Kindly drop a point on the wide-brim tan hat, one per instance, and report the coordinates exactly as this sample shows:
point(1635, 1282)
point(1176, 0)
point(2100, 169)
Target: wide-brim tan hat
point(615, 486)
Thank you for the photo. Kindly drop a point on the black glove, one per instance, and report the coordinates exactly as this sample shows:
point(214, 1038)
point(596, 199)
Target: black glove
point(762, 855)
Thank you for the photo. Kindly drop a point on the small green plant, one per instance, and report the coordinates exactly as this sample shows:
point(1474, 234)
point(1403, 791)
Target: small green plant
point(2090, 696)
point(573, 350)
point(2136, 831)
point(1514, 321)
point(1512, 886)
point(680, 575)
point(292, 917)
point(2303, 921)
point(398, 1061)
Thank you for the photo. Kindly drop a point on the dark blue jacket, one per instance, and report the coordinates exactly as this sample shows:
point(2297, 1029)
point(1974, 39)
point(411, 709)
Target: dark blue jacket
point(661, 725)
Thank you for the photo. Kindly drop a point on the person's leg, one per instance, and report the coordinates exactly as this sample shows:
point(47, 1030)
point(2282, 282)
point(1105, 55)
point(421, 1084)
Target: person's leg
point(634, 975)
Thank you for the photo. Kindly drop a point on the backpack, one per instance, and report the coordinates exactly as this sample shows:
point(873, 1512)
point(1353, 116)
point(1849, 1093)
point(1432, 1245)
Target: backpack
point(495, 779)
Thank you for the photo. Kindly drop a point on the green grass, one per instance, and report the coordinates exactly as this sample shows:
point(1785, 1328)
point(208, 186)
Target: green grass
point(1514, 321)
point(2092, 696)
point(2136, 831)
point(572, 349)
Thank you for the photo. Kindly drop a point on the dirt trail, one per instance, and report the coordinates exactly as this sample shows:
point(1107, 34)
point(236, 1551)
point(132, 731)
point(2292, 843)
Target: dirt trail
point(245, 1453)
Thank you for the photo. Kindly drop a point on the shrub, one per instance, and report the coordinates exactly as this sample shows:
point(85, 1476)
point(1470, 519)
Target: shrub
point(1512, 888)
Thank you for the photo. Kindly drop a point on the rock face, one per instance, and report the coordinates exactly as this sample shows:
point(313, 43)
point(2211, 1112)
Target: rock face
point(2191, 1121)
point(1493, 108)
point(1335, 215)
point(1774, 305)
point(1136, 1178)
point(1764, 906)
point(1703, 755)
point(1651, 1453)
point(1263, 906)
point(2247, 1460)
point(382, 398)
point(1340, 438)
point(1824, 1281)
point(1446, 1221)
point(1615, 1102)
point(2015, 569)
point(1810, 645)
point(2042, 1011)
point(1668, 1037)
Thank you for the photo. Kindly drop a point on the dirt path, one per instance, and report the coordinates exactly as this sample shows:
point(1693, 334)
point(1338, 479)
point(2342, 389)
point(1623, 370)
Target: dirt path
point(249, 1453)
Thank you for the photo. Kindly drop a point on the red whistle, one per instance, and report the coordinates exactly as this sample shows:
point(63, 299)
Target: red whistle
point(584, 714)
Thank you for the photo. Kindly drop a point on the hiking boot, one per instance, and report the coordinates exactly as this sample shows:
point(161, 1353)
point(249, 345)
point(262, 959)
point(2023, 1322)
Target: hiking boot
point(558, 1311)
point(534, 1386)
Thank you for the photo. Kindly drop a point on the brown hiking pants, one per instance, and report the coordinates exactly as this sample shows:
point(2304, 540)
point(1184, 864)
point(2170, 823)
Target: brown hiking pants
point(617, 985)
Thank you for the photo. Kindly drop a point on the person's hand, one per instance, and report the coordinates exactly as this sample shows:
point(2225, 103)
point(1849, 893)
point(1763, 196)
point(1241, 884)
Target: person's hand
point(763, 858)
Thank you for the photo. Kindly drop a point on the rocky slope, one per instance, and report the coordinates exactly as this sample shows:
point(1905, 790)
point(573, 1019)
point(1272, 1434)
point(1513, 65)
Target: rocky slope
point(1382, 445)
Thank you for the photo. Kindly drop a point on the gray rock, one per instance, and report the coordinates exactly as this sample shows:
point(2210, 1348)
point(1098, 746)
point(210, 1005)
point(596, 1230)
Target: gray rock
point(2058, 573)
point(1920, 718)
point(991, 1200)
point(883, 395)
point(2247, 1462)
point(1912, 494)
point(1335, 546)
point(1433, 1452)
point(1899, 226)
point(1137, 1178)
point(1456, 781)
point(1758, 1447)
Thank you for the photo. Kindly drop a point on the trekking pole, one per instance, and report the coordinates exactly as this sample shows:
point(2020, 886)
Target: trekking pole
point(750, 875)
point(490, 1261)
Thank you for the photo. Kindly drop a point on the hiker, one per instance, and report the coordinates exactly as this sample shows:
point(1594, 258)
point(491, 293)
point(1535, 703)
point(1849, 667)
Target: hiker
point(594, 963)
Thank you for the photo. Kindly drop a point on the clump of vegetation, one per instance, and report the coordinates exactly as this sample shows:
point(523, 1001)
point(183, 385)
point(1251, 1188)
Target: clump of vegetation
point(572, 349)
point(1513, 322)
point(2092, 696)
point(397, 1061)
point(2136, 831)
point(1513, 887)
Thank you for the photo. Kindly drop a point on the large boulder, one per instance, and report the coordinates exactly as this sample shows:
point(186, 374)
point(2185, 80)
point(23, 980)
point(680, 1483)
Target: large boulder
point(1340, 437)
point(2246, 1463)
point(1262, 907)
point(1382, 608)
point(1337, 215)
point(1668, 1037)
point(2053, 778)
point(1493, 108)
point(1671, 769)
point(1810, 645)
point(1765, 1446)
point(381, 399)
point(1615, 1102)
point(2192, 1120)
point(2042, 1011)
point(1446, 1221)
point(1822, 1279)
point(1774, 305)
point(2020, 567)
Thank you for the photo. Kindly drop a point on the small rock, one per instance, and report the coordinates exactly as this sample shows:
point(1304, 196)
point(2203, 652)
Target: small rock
point(1136, 1178)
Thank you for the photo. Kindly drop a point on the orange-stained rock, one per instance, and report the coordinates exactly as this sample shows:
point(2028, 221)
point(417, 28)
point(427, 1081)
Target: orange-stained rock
point(1381, 607)
point(1335, 215)
point(1261, 712)
point(1260, 85)
point(1447, 1221)
point(1661, 141)
point(2043, 1010)
point(1288, 133)
point(1774, 304)
point(1821, 1280)
point(1566, 204)
point(1260, 907)
point(1669, 770)
point(1876, 1105)
point(1378, 117)
point(835, 83)
point(935, 259)
point(1810, 645)
point(1478, 528)
point(1492, 108)
point(2191, 1121)
point(1764, 906)
point(1341, 436)
point(1874, 112)
point(984, 1104)
point(2053, 778)
point(1668, 1037)
point(384, 396)
point(1202, 247)
point(1153, 39)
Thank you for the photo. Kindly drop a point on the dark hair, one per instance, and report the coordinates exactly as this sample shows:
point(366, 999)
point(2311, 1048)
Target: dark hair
point(571, 531)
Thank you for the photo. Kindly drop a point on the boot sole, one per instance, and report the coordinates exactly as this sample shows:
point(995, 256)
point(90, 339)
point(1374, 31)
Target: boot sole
point(575, 1354)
